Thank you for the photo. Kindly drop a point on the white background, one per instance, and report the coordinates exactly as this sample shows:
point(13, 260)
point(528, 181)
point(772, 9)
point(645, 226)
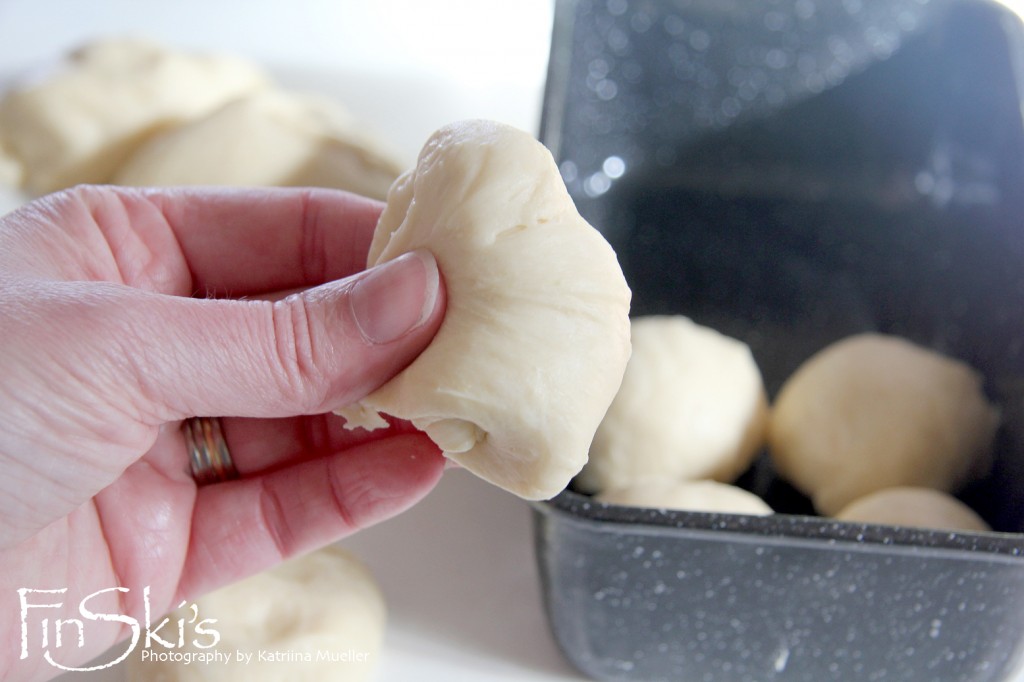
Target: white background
point(457, 571)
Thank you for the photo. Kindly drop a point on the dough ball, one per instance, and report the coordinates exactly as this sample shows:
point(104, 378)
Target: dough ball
point(705, 496)
point(874, 411)
point(918, 507)
point(266, 138)
point(692, 406)
point(536, 334)
point(78, 124)
point(325, 605)
point(10, 168)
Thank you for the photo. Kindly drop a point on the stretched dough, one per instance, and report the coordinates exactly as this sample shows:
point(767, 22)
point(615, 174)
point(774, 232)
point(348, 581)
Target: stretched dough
point(536, 335)
point(692, 406)
point(873, 411)
point(79, 123)
point(918, 507)
point(268, 138)
point(325, 605)
point(705, 496)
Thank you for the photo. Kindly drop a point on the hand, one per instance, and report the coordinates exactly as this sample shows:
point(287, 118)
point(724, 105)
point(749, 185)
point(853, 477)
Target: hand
point(123, 312)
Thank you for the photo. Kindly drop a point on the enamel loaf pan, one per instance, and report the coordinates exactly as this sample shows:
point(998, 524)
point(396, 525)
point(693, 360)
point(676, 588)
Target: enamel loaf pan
point(790, 172)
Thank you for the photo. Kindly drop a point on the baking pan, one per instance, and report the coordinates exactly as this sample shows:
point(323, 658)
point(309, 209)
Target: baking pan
point(791, 172)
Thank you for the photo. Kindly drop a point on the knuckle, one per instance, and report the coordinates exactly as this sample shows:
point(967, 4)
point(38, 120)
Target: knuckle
point(81, 193)
point(344, 499)
point(314, 249)
point(274, 521)
point(296, 349)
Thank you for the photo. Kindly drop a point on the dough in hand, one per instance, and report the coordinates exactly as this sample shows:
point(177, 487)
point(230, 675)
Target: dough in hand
point(692, 406)
point(78, 124)
point(267, 138)
point(325, 605)
point(916, 507)
point(704, 496)
point(873, 411)
point(536, 334)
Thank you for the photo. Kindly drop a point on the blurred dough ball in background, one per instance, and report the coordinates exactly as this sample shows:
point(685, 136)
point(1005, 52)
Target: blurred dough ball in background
point(873, 411)
point(915, 507)
point(702, 496)
point(691, 406)
point(77, 122)
point(267, 138)
point(10, 168)
point(325, 604)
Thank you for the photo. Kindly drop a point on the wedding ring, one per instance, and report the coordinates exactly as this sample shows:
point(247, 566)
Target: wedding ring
point(208, 454)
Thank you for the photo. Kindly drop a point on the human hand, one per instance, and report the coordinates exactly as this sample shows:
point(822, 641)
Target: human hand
point(104, 350)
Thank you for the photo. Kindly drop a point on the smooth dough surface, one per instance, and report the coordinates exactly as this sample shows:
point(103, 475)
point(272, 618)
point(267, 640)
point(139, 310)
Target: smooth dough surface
point(705, 496)
point(916, 507)
point(268, 138)
point(81, 122)
point(326, 604)
point(873, 411)
point(692, 406)
point(536, 334)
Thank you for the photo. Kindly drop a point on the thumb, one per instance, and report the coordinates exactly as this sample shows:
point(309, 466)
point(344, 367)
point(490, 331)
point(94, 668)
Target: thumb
point(311, 352)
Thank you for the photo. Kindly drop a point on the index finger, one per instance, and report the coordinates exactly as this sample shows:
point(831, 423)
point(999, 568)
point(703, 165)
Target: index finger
point(239, 242)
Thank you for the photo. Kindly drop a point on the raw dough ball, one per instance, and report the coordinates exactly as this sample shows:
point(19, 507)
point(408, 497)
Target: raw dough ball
point(919, 507)
point(266, 138)
point(692, 406)
point(325, 605)
point(536, 334)
point(10, 168)
point(705, 496)
point(874, 411)
point(80, 123)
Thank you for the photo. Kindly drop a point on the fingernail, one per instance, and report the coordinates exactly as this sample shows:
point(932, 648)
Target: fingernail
point(396, 297)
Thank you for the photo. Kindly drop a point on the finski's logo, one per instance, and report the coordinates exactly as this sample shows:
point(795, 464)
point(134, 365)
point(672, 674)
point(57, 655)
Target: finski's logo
point(52, 633)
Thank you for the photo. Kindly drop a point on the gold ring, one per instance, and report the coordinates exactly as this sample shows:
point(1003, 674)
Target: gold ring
point(208, 454)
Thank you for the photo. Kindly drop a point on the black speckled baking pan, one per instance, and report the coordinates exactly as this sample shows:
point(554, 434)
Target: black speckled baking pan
point(790, 172)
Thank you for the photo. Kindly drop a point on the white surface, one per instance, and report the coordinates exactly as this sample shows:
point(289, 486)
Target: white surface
point(461, 583)
point(459, 577)
point(458, 570)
